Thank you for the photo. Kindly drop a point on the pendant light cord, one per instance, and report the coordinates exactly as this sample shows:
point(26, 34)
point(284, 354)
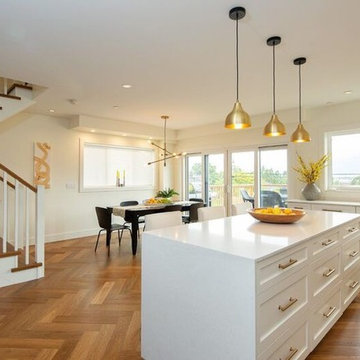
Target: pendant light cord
point(165, 141)
point(273, 79)
point(300, 93)
point(237, 57)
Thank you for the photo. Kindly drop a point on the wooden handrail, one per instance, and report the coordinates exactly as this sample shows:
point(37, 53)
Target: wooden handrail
point(13, 86)
point(18, 178)
point(9, 183)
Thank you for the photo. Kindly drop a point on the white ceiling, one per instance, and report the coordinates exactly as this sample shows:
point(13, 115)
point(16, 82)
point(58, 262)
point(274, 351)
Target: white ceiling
point(178, 55)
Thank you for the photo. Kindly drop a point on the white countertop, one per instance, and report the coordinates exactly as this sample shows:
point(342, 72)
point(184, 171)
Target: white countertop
point(248, 238)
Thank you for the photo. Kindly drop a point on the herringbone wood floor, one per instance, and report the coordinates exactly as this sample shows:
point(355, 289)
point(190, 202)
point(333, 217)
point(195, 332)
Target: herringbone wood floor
point(88, 307)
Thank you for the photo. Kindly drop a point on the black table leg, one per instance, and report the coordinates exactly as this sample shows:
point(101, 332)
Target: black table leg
point(108, 239)
point(134, 234)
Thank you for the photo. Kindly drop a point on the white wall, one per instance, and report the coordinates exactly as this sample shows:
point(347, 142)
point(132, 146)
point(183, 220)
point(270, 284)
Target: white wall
point(317, 121)
point(69, 213)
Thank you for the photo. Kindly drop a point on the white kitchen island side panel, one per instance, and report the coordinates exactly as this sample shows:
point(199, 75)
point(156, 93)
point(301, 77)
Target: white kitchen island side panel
point(190, 298)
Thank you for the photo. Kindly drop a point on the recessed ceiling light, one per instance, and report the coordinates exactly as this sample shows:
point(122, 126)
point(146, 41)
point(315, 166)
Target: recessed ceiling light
point(348, 92)
point(51, 110)
point(126, 86)
point(124, 134)
point(92, 130)
point(116, 107)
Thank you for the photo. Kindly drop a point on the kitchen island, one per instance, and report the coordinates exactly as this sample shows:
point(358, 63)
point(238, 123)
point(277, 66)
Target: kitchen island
point(235, 288)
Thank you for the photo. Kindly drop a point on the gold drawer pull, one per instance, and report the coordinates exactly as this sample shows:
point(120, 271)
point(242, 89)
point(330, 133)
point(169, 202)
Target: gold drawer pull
point(331, 271)
point(284, 266)
point(292, 301)
point(354, 285)
point(354, 253)
point(293, 351)
point(327, 242)
point(331, 311)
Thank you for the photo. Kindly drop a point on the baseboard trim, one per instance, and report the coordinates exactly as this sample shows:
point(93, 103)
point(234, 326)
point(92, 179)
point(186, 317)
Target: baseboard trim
point(70, 235)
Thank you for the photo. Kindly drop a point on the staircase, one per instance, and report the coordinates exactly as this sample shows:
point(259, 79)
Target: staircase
point(16, 97)
point(22, 213)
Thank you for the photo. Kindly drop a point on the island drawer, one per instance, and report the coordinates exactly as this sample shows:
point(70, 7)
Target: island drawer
point(291, 345)
point(324, 272)
point(325, 315)
point(350, 287)
point(351, 254)
point(277, 307)
point(271, 271)
point(325, 242)
point(351, 230)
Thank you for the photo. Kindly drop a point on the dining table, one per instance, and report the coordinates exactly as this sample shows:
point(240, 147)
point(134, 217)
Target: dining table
point(131, 214)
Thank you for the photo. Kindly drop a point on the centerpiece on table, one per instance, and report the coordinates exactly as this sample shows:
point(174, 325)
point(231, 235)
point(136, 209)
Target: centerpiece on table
point(162, 197)
point(309, 174)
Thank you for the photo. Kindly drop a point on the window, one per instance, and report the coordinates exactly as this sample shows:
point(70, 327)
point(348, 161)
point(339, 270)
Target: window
point(273, 176)
point(102, 163)
point(344, 165)
point(194, 173)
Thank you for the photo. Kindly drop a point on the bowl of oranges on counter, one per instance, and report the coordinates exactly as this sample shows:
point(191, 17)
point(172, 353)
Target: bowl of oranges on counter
point(277, 215)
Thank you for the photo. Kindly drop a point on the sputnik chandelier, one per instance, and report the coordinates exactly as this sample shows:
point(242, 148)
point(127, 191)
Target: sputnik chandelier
point(166, 155)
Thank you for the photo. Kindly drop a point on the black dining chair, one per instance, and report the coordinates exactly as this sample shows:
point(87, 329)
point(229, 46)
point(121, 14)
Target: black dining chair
point(271, 198)
point(104, 220)
point(193, 213)
point(141, 219)
point(198, 200)
point(247, 197)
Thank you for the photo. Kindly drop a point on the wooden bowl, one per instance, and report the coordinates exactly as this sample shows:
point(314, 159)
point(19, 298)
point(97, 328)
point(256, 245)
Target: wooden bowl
point(276, 218)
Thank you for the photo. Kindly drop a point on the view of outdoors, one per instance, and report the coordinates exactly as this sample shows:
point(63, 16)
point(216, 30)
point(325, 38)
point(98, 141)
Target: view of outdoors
point(272, 176)
point(345, 160)
point(194, 176)
point(242, 175)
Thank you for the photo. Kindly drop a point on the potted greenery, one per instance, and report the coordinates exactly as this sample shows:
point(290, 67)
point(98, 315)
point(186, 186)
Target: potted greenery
point(309, 174)
point(166, 193)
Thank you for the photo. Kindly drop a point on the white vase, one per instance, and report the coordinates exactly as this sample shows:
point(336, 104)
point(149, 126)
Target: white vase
point(311, 192)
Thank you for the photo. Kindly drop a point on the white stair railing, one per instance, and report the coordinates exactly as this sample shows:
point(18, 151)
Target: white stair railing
point(22, 215)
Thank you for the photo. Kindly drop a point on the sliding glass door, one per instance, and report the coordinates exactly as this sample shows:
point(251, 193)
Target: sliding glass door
point(194, 176)
point(215, 179)
point(242, 176)
point(273, 176)
point(257, 175)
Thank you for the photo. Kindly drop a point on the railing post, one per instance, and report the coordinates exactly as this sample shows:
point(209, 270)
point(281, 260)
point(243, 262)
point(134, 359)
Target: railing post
point(27, 227)
point(16, 222)
point(5, 212)
point(40, 225)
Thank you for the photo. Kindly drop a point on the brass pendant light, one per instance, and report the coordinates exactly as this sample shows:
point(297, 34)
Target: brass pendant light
point(274, 127)
point(237, 118)
point(300, 134)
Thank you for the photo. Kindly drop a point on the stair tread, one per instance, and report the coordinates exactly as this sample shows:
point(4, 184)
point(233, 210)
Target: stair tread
point(13, 86)
point(11, 96)
point(25, 267)
point(10, 253)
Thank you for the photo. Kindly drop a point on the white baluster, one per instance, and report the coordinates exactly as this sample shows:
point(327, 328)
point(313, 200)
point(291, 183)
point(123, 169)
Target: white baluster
point(16, 223)
point(40, 227)
point(27, 227)
point(5, 198)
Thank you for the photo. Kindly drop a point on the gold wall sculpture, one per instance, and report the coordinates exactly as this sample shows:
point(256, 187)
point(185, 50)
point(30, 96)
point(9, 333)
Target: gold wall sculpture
point(41, 164)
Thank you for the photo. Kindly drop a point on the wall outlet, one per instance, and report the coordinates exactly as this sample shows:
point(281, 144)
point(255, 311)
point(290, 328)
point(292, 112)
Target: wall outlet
point(70, 186)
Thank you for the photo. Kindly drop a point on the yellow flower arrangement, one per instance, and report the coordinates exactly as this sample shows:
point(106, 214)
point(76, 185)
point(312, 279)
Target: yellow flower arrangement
point(312, 172)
